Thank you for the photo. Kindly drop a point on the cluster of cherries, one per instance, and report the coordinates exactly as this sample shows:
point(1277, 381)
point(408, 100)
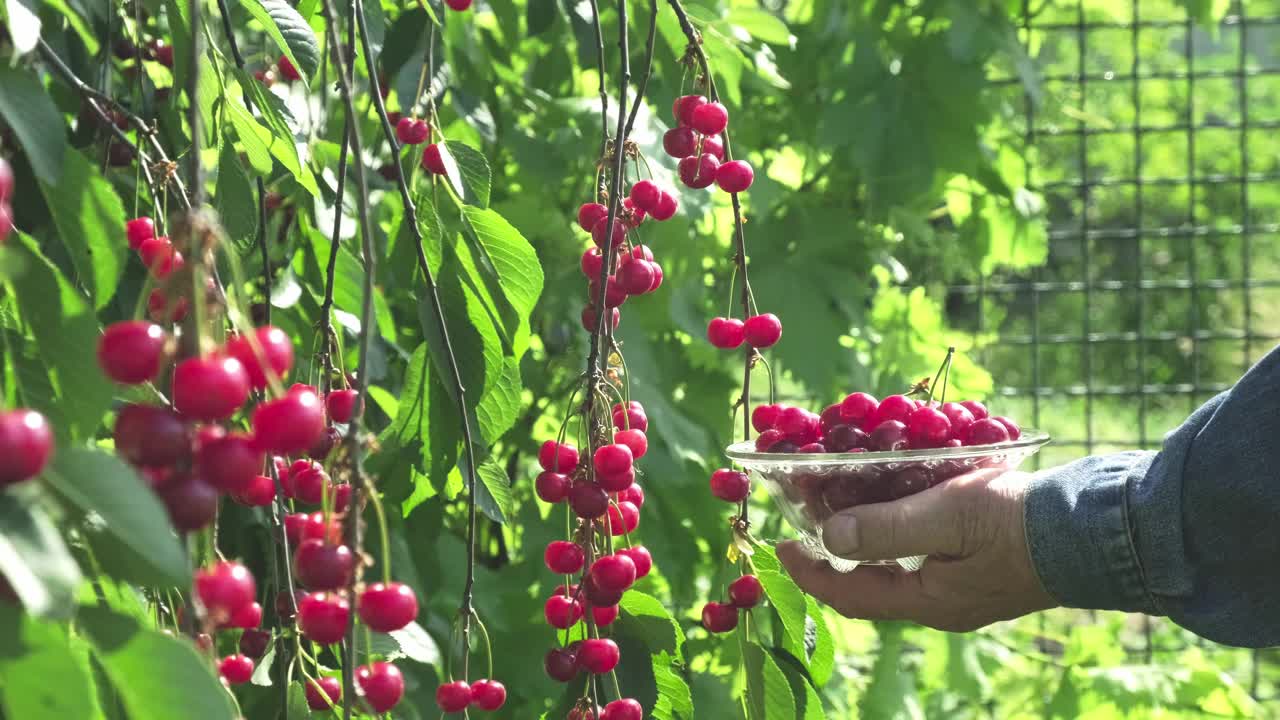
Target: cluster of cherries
point(758, 331)
point(744, 594)
point(459, 695)
point(6, 193)
point(634, 271)
point(696, 143)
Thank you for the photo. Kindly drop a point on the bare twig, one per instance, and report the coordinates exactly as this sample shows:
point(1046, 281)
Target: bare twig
point(648, 65)
point(604, 94)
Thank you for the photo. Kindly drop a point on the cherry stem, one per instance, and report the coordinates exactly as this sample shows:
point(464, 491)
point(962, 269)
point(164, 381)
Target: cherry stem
point(947, 375)
point(946, 363)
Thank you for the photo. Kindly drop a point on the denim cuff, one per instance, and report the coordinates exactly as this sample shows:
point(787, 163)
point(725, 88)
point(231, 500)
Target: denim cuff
point(1078, 531)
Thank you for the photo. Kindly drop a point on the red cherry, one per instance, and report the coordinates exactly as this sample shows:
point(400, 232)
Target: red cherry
point(730, 485)
point(253, 643)
point(636, 277)
point(310, 484)
point(433, 160)
point(591, 263)
point(710, 118)
point(488, 694)
point(987, 431)
point(858, 407)
point(624, 709)
point(260, 492)
point(959, 416)
point(588, 500)
point(139, 229)
point(160, 257)
point(598, 655)
point(562, 612)
point(150, 436)
point(666, 207)
point(558, 457)
point(560, 664)
point(276, 348)
point(236, 669)
point(830, 418)
point(6, 181)
point(614, 294)
point(191, 502)
point(745, 592)
point(412, 131)
point(224, 588)
point(645, 194)
point(768, 439)
point(604, 616)
point(894, 407)
point(798, 425)
point(726, 333)
point(634, 439)
point(564, 557)
point(324, 445)
point(290, 424)
point(813, 448)
point(633, 495)
point(247, 617)
point(613, 573)
point(209, 388)
point(6, 221)
point(458, 5)
point(161, 309)
point(712, 144)
point(763, 331)
point(230, 463)
point(657, 277)
point(698, 172)
point(680, 142)
point(322, 617)
point(889, 435)
point(978, 409)
point(719, 617)
point(324, 693)
point(341, 496)
point(735, 176)
point(26, 442)
point(591, 213)
point(612, 460)
point(928, 428)
point(287, 69)
point(631, 213)
point(764, 417)
point(552, 487)
point(600, 229)
point(342, 404)
point(684, 106)
point(590, 319)
point(623, 518)
point(387, 607)
point(844, 438)
point(640, 558)
point(1015, 432)
point(632, 417)
point(382, 683)
point(321, 566)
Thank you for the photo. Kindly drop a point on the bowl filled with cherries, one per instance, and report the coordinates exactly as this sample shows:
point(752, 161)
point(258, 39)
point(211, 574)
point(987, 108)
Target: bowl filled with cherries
point(866, 450)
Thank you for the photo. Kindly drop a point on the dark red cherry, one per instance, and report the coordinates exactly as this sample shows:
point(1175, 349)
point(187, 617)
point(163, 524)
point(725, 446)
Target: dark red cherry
point(730, 485)
point(212, 387)
point(324, 693)
point(321, 566)
point(488, 694)
point(387, 607)
point(322, 617)
point(236, 669)
point(382, 683)
point(131, 352)
point(190, 501)
point(26, 442)
point(745, 592)
point(560, 664)
point(290, 424)
point(719, 617)
point(558, 457)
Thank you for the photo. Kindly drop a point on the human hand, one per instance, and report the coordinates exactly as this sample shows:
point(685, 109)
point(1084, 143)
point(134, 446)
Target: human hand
point(979, 569)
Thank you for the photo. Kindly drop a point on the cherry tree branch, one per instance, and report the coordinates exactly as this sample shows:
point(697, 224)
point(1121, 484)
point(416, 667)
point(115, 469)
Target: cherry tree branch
point(648, 65)
point(604, 94)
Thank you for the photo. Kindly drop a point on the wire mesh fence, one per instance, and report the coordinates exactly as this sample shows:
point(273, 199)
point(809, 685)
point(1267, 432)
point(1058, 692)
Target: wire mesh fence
point(1152, 141)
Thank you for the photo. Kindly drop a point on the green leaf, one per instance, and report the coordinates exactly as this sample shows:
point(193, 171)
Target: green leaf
point(34, 558)
point(41, 677)
point(234, 199)
point(786, 599)
point(101, 483)
point(90, 221)
point(290, 32)
point(493, 491)
point(675, 701)
point(434, 449)
point(822, 658)
point(768, 693)
point(761, 24)
point(66, 334)
point(261, 141)
point(468, 172)
point(262, 670)
point(155, 673)
point(415, 643)
point(643, 616)
point(510, 268)
point(35, 120)
point(891, 694)
point(180, 38)
point(297, 708)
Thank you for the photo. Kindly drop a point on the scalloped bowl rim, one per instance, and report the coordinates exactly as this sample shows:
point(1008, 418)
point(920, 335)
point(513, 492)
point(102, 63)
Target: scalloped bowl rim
point(746, 454)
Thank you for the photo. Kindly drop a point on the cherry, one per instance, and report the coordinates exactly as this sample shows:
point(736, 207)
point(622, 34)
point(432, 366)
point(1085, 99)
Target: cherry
point(763, 331)
point(6, 181)
point(640, 558)
point(726, 333)
point(633, 439)
point(623, 518)
point(987, 431)
point(633, 213)
point(745, 592)
point(276, 348)
point(224, 588)
point(285, 607)
point(909, 481)
point(666, 207)
point(433, 160)
point(6, 221)
point(830, 418)
point(1015, 432)
point(564, 557)
point(209, 388)
point(321, 566)
point(601, 229)
point(560, 664)
point(764, 417)
point(766, 441)
point(680, 142)
point(889, 435)
point(858, 408)
point(698, 171)
point(324, 693)
point(894, 407)
point(928, 428)
point(387, 607)
point(160, 257)
point(558, 457)
point(624, 709)
point(324, 445)
point(290, 424)
point(719, 617)
point(236, 669)
point(735, 176)
point(798, 425)
point(631, 417)
point(341, 496)
point(613, 573)
point(26, 442)
point(382, 683)
point(959, 416)
point(978, 409)
point(636, 277)
point(322, 617)
point(657, 277)
point(633, 495)
point(310, 484)
point(160, 309)
point(552, 487)
point(843, 438)
point(229, 463)
point(150, 436)
point(598, 655)
point(612, 460)
point(712, 144)
point(253, 643)
point(139, 229)
point(488, 694)
point(684, 106)
point(645, 195)
point(591, 263)
point(584, 713)
point(588, 500)
point(314, 527)
point(591, 213)
point(412, 131)
point(562, 612)
point(287, 69)
point(247, 617)
point(590, 319)
point(813, 448)
point(710, 118)
point(614, 294)
point(191, 502)
point(730, 485)
point(604, 616)
point(458, 5)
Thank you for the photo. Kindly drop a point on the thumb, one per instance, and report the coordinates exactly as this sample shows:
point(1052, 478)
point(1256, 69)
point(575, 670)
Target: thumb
point(933, 522)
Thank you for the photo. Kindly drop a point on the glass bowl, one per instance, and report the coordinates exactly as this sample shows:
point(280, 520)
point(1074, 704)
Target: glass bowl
point(809, 488)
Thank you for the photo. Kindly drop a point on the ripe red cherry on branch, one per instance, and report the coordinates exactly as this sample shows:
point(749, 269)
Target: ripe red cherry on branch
point(624, 518)
point(612, 460)
point(287, 69)
point(600, 229)
point(6, 181)
point(560, 664)
point(588, 500)
point(387, 607)
point(190, 502)
point(645, 195)
point(730, 485)
point(277, 351)
point(614, 294)
point(636, 277)
point(634, 439)
point(624, 709)
point(323, 693)
point(735, 176)
point(698, 172)
point(225, 587)
point(709, 118)
point(726, 333)
point(684, 106)
point(236, 669)
point(131, 352)
point(433, 160)
point(247, 617)
point(598, 655)
point(488, 694)
point(613, 573)
point(604, 615)
point(712, 144)
point(631, 417)
point(558, 457)
point(590, 318)
point(552, 487)
point(260, 492)
point(341, 404)
point(562, 612)
point(719, 617)
point(212, 387)
point(412, 131)
point(745, 592)
point(160, 257)
point(321, 566)
point(253, 643)
point(139, 229)
point(229, 463)
point(322, 617)
point(564, 557)
point(26, 442)
point(290, 424)
point(639, 557)
point(591, 263)
point(382, 683)
point(590, 213)
point(680, 142)
point(666, 207)
point(633, 495)
point(161, 308)
point(763, 331)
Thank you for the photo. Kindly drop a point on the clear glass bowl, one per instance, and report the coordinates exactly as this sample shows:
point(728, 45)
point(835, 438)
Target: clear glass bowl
point(809, 488)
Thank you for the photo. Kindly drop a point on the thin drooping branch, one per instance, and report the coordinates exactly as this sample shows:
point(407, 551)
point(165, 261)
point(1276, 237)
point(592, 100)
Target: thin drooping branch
point(330, 273)
point(195, 172)
point(604, 93)
point(466, 609)
point(648, 65)
point(352, 530)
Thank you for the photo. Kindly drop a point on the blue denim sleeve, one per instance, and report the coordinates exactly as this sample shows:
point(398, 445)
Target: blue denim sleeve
point(1191, 531)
